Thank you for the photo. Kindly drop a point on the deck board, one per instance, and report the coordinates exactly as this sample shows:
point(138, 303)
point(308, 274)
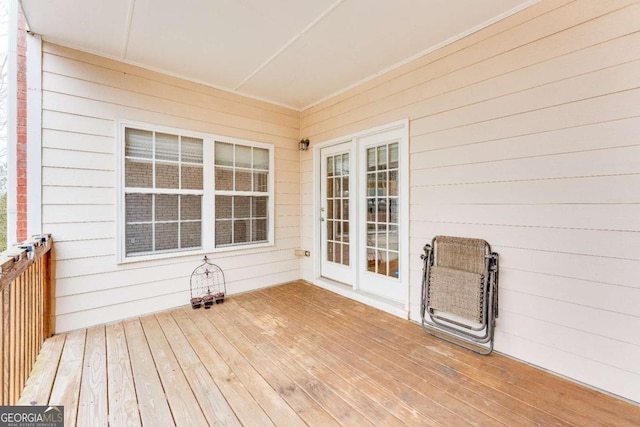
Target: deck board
point(297, 355)
point(66, 387)
point(92, 409)
point(123, 404)
point(152, 402)
point(214, 406)
point(183, 403)
point(248, 411)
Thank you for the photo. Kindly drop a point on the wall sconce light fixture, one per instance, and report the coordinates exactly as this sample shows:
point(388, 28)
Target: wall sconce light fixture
point(303, 145)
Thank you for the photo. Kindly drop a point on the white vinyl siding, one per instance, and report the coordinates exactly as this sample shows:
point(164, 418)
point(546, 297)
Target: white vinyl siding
point(83, 97)
point(526, 134)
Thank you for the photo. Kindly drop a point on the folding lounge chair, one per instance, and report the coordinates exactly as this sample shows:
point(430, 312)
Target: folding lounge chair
point(460, 292)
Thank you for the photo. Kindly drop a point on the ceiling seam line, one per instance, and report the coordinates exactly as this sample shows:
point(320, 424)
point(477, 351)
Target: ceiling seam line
point(289, 43)
point(127, 30)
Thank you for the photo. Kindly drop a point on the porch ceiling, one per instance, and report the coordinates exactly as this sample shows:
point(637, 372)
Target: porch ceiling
point(290, 52)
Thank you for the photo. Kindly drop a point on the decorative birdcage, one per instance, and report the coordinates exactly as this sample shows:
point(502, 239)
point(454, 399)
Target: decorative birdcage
point(207, 285)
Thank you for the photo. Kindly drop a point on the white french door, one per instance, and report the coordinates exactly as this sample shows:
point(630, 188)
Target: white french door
point(363, 213)
point(380, 204)
point(336, 212)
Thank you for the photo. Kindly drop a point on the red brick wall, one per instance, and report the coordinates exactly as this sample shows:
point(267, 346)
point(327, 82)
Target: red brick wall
point(21, 149)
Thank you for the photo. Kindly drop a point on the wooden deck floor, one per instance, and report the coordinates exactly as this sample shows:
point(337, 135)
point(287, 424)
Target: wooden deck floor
point(297, 355)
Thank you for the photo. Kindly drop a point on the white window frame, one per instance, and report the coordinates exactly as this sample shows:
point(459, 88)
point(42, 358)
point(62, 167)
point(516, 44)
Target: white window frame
point(208, 193)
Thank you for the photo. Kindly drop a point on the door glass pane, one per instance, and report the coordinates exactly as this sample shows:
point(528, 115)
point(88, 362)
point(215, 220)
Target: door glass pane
point(382, 157)
point(371, 159)
point(337, 203)
point(382, 209)
point(393, 155)
point(330, 171)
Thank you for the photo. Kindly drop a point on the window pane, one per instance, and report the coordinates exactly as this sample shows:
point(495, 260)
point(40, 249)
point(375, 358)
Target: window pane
point(138, 143)
point(259, 207)
point(166, 175)
point(138, 207)
point(330, 167)
point(166, 207)
point(260, 158)
point(223, 233)
point(190, 207)
point(191, 178)
point(167, 147)
point(191, 150)
point(223, 207)
point(241, 218)
point(241, 229)
point(224, 179)
point(224, 154)
point(138, 238)
point(259, 230)
point(138, 174)
point(243, 180)
point(166, 236)
point(241, 207)
point(260, 180)
point(243, 156)
point(190, 234)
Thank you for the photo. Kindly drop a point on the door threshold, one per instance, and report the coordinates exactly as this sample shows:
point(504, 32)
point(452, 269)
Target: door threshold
point(392, 307)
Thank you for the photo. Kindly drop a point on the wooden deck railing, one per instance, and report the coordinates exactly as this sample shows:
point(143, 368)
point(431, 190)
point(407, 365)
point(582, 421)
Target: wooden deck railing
point(25, 300)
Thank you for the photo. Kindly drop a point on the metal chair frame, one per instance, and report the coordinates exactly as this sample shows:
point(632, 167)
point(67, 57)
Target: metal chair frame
point(477, 338)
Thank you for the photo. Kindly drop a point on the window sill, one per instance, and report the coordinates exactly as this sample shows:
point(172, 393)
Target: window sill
point(180, 254)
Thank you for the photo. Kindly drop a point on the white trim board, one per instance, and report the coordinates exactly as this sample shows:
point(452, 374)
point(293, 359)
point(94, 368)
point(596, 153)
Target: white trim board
point(34, 134)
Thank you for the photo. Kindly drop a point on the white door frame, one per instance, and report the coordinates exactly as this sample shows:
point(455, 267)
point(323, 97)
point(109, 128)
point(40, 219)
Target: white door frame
point(400, 309)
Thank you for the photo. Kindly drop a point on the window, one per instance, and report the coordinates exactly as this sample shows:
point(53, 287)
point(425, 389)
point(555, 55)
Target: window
point(188, 193)
point(163, 192)
point(242, 194)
